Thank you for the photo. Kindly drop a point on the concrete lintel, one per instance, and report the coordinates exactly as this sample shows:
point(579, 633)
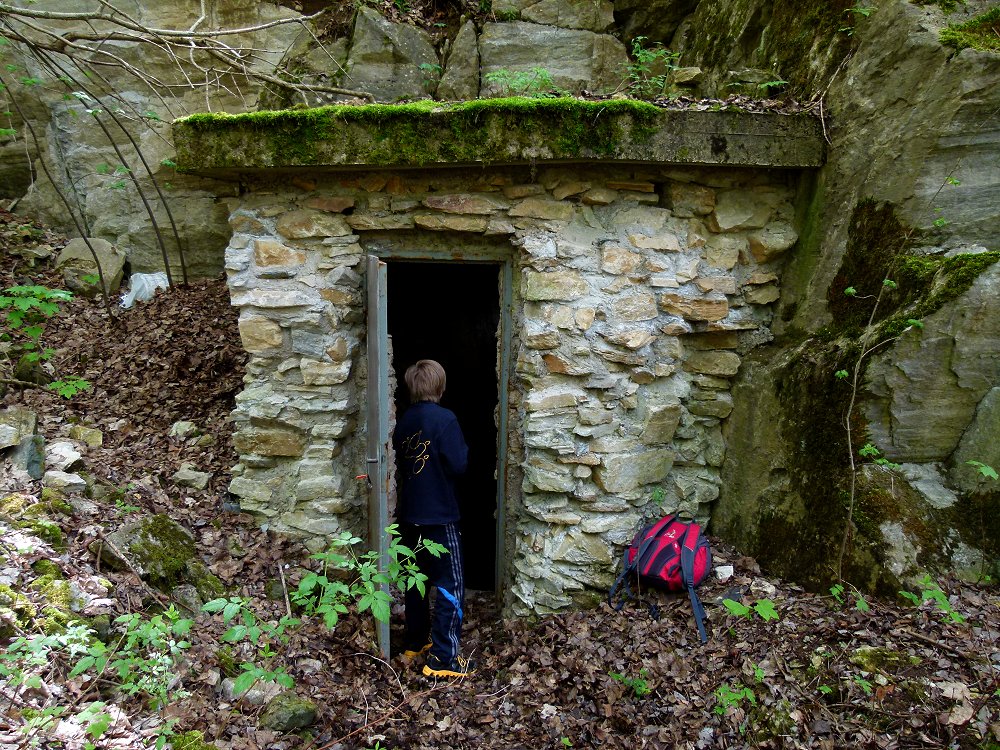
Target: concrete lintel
point(494, 132)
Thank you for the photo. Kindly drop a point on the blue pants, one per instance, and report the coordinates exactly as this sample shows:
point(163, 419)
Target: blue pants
point(445, 574)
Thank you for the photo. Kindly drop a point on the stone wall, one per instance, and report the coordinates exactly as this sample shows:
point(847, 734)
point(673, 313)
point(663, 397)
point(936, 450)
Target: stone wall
point(636, 294)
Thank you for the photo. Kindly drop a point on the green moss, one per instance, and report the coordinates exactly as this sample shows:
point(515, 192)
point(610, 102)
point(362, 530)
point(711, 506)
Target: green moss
point(932, 282)
point(54, 500)
point(981, 32)
point(17, 603)
point(44, 567)
point(872, 659)
point(875, 238)
point(193, 740)
point(163, 549)
point(46, 530)
point(13, 506)
point(479, 129)
point(207, 583)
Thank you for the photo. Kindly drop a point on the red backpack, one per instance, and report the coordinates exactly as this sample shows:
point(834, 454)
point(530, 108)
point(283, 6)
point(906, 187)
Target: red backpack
point(672, 555)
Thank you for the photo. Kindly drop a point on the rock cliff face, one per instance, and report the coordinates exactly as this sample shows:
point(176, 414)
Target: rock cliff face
point(911, 191)
point(913, 131)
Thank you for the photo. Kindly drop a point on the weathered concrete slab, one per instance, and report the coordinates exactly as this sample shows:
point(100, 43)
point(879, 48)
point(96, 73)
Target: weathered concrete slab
point(492, 131)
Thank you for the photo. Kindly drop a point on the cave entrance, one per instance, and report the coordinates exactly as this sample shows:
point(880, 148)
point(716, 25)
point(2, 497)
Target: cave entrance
point(451, 312)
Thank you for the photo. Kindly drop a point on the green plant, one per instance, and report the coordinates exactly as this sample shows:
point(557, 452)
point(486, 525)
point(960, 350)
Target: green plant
point(768, 85)
point(650, 70)
point(360, 578)
point(536, 83)
point(659, 495)
point(860, 603)
point(139, 661)
point(857, 11)
point(985, 469)
point(931, 591)
point(638, 685)
point(764, 609)
point(431, 75)
point(21, 331)
point(260, 634)
point(731, 696)
point(870, 451)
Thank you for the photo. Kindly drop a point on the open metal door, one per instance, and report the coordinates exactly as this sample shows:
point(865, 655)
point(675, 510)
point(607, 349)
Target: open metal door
point(378, 427)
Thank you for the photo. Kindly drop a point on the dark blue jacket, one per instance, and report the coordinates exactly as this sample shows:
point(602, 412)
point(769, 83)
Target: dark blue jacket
point(430, 453)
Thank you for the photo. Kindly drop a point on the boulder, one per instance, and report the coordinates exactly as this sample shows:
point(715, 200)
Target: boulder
point(385, 58)
point(76, 261)
point(461, 74)
point(161, 552)
point(592, 15)
point(288, 712)
point(586, 61)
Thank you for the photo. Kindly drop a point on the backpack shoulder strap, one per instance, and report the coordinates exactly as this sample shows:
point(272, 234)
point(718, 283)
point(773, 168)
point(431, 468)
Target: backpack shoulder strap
point(687, 575)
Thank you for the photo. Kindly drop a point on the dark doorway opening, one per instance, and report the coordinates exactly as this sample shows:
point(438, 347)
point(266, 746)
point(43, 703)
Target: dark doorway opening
point(450, 312)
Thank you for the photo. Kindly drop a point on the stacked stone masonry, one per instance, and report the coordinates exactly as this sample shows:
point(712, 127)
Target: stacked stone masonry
point(636, 293)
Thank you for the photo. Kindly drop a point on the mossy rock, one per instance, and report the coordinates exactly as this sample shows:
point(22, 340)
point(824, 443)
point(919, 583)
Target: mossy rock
point(288, 712)
point(46, 530)
point(157, 548)
point(873, 659)
point(17, 607)
point(193, 740)
point(12, 506)
point(207, 584)
point(163, 553)
point(45, 567)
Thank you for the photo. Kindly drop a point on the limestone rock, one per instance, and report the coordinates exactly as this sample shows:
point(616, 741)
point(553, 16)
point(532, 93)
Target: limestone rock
point(305, 223)
point(739, 209)
point(62, 456)
point(772, 241)
point(691, 308)
point(556, 285)
point(723, 364)
point(260, 334)
point(687, 200)
point(567, 14)
point(979, 443)
point(76, 261)
point(385, 58)
point(288, 712)
point(157, 548)
point(596, 62)
point(626, 471)
point(634, 307)
point(188, 476)
point(64, 482)
point(257, 695)
point(89, 436)
point(461, 74)
point(16, 424)
point(270, 441)
point(661, 424)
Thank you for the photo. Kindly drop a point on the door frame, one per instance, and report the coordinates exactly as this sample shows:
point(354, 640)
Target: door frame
point(389, 250)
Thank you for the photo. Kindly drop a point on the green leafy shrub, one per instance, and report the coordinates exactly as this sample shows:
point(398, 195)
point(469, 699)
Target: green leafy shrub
point(21, 330)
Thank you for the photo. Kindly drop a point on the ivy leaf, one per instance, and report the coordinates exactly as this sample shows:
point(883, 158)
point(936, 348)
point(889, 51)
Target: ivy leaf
point(889, 284)
point(840, 374)
point(850, 291)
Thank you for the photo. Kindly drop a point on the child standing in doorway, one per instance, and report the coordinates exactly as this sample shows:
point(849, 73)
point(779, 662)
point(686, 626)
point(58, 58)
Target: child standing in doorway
point(430, 454)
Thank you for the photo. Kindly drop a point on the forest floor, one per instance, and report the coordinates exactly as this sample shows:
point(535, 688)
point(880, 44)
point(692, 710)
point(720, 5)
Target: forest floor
point(799, 670)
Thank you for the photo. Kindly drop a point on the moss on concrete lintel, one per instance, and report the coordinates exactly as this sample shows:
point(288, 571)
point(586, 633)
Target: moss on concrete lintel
point(491, 131)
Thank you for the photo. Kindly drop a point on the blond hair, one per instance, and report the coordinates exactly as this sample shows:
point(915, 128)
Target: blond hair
point(425, 380)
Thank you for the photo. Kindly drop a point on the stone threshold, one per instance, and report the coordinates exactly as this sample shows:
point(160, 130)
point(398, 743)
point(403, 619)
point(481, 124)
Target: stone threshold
point(491, 132)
